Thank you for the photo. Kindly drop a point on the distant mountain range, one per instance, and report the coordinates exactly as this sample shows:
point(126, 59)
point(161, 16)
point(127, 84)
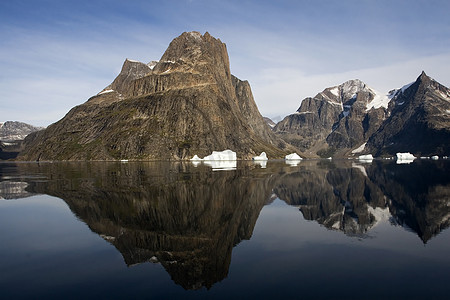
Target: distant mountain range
point(14, 131)
point(353, 119)
point(188, 103)
point(12, 134)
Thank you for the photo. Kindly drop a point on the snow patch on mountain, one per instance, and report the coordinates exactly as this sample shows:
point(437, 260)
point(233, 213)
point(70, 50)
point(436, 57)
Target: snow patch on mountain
point(359, 149)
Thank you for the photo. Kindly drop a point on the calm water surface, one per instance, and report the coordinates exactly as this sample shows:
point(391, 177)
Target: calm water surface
point(316, 230)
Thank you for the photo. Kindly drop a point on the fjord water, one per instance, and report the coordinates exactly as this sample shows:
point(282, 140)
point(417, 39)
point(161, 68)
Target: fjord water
point(160, 230)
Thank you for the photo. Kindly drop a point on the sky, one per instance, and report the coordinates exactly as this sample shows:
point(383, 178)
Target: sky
point(55, 54)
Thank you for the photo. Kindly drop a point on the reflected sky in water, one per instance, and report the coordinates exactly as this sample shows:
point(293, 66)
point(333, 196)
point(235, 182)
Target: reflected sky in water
point(320, 229)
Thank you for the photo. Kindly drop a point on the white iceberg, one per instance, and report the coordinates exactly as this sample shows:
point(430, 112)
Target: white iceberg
point(367, 157)
point(292, 163)
point(405, 158)
point(292, 156)
point(226, 155)
point(261, 163)
point(196, 158)
point(221, 165)
point(262, 156)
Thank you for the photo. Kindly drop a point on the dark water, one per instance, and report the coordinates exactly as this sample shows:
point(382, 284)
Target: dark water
point(318, 230)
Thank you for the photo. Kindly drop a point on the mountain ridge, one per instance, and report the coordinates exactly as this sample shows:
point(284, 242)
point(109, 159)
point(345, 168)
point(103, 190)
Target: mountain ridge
point(187, 103)
point(340, 120)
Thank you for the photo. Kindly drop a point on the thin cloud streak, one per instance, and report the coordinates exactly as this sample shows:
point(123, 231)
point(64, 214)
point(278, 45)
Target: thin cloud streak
point(56, 56)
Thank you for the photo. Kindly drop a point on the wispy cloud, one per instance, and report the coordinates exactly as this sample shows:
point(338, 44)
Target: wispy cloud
point(56, 54)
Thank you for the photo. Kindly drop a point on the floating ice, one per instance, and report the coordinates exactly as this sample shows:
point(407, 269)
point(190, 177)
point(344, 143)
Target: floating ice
point(292, 156)
point(221, 155)
point(292, 163)
point(262, 156)
point(224, 165)
point(367, 157)
point(261, 163)
point(405, 158)
point(196, 158)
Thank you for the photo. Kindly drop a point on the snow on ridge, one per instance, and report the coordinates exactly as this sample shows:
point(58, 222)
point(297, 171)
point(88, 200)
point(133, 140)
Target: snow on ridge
point(359, 149)
point(378, 101)
point(396, 92)
point(105, 92)
point(335, 91)
point(152, 64)
point(195, 34)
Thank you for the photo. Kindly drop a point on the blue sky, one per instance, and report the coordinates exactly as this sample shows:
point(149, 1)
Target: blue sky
point(56, 54)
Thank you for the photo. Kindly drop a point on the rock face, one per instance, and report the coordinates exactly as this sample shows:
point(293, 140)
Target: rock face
point(340, 120)
point(12, 134)
point(14, 131)
point(336, 120)
point(418, 122)
point(187, 103)
point(269, 122)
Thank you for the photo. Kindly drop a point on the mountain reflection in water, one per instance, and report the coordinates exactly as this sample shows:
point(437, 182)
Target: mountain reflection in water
point(189, 218)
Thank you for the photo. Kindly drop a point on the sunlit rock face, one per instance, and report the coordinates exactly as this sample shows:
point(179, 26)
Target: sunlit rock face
point(336, 120)
point(352, 119)
point(418, 122)
point(187, 103)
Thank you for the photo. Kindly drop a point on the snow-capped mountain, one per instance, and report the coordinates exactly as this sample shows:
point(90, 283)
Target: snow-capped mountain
point(418, 121)
point(13, 130)
point(337, 119)
point(353, 118)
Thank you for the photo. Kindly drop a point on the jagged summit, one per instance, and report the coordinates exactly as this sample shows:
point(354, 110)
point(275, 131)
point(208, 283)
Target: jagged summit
point(340, 120)
point(418, 122)
point(184, 104)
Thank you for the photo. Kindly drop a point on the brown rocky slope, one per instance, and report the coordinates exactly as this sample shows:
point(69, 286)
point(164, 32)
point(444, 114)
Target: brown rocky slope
point(187, 103)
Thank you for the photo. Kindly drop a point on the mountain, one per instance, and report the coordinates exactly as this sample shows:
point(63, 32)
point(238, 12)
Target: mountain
point(352, 118)
point(336, 120)
point(187, 103)
point(12, 134)
point(418, 122)
point(14, 131)
point(269, 122)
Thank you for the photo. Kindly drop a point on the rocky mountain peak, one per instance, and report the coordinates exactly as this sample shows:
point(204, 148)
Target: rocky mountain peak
point(14, 130)
point(185, 104)
point(195, 53)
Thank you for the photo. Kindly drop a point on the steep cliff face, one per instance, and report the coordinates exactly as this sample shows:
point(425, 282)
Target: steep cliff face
point(336, 120)
point(352, 119)
point(13, 131)
point(186, 103)
point(419, 121)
